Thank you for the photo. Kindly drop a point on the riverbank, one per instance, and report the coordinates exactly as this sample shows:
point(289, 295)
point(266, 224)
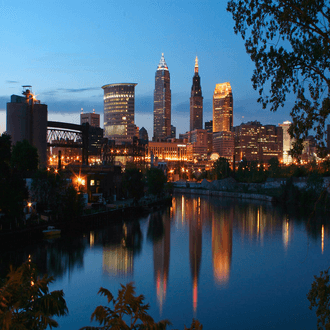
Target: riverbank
point(110, 213)
point(237, 195)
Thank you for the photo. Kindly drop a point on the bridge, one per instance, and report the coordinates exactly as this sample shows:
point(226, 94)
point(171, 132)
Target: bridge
point(66, 135)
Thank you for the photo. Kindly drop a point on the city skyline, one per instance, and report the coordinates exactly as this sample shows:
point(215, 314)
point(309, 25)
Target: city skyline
point(68, 54)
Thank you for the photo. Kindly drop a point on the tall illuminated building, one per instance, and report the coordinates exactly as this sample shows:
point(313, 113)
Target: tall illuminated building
point(119, 112)
point(162, 102)
point(196, 101)
point(222, 108)
point(287, 142)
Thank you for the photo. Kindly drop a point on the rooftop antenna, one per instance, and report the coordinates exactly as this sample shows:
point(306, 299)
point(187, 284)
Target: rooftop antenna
point(93, 110)
point(82, 110)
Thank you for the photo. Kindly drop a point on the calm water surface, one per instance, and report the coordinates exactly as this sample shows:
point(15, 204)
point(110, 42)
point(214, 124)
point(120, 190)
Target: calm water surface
point(230, 264)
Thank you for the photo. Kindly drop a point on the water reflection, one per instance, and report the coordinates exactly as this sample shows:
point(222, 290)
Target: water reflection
point(204, 243)
point(195, 246)
point(159, 231)
point(222, 241)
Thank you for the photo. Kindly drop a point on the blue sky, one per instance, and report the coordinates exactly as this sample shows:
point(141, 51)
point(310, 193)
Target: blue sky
point(67, 50)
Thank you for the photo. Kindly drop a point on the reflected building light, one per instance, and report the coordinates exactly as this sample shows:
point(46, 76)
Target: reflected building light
point(195, 253)
point(222, 237)
point(322, 239)
point(117, 261)
point(195, 294)
point(286, 233)
point(183, 209)
point(258, 223)
point(161, 255)
point(91, 239)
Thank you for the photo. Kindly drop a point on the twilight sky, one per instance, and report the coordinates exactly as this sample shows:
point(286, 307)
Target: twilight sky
point(67, 50)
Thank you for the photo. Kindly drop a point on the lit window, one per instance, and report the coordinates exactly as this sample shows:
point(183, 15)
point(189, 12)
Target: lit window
point(92, 183)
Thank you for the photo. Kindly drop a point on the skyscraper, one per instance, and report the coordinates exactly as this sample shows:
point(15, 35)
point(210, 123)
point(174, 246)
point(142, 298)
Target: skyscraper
point(222, 108)
point(119, 112)
point(162, 101)
point(196, 101)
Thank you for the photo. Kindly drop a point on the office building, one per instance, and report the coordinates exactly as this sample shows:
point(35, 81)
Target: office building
point(197, 145)
point(254, 141)
point(143, 135)
point(119, 103)
point(93, 119)
point(167, 151)
point(287, 142)
point(222, 108)
point(27, 120)
point(173, 132)
point(196, 101)
point(223, 144)
point(162, 102)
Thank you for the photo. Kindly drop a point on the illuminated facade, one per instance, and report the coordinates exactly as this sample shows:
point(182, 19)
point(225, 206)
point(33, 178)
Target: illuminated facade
point(197, 145)
point(119, 112)
point(287, 142)
point(255, 141)
point(162, 102)
point(169, 151)
point(223, 144)
point(222, 108)
point(196, 101)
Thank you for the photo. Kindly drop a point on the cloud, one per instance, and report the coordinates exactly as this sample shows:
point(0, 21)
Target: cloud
point(12, 82)
point(78, 90)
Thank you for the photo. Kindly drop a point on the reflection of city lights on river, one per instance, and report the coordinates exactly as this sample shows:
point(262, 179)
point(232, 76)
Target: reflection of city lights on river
point(322, 239)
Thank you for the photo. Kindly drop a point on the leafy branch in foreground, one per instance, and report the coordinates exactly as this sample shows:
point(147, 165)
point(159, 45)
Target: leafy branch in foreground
point(25, 300)
point(128, 313)
point(319, 297)
point(289, 43)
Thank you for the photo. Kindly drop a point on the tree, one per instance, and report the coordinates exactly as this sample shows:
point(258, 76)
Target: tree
point(133, 182)
point(156, 180)
point(289, 42)
point(13, 190)
point(319, 297)
point(24, 157)
point(128, 313)
point(126, 305)
point(26, 302)
point(274, 167)
point(221, 168)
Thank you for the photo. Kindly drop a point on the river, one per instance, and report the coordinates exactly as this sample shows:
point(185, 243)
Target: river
point(230, 264)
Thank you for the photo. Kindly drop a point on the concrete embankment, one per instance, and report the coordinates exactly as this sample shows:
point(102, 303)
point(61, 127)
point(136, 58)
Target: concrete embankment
point(237, 195)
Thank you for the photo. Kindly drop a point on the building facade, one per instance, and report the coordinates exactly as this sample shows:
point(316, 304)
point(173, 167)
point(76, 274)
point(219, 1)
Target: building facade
point(119, 104)
point(162, 102)
point(257, 142)
point(27, 120)
point(92, 118)
point(223, 144)
point(197, 145)
point(287, 142)
point(167, 151)
point(222, 108)
point(196, 101)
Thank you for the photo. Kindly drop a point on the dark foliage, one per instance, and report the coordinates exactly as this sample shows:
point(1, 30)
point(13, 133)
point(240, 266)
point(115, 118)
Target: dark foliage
point(289, 42)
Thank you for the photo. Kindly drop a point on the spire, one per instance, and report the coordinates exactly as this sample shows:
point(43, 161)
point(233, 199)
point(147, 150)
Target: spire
point(162, 64)
point(196, 64)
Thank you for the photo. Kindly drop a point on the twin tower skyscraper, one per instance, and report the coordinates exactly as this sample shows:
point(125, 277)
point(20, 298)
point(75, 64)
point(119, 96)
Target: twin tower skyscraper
point(162, 102)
